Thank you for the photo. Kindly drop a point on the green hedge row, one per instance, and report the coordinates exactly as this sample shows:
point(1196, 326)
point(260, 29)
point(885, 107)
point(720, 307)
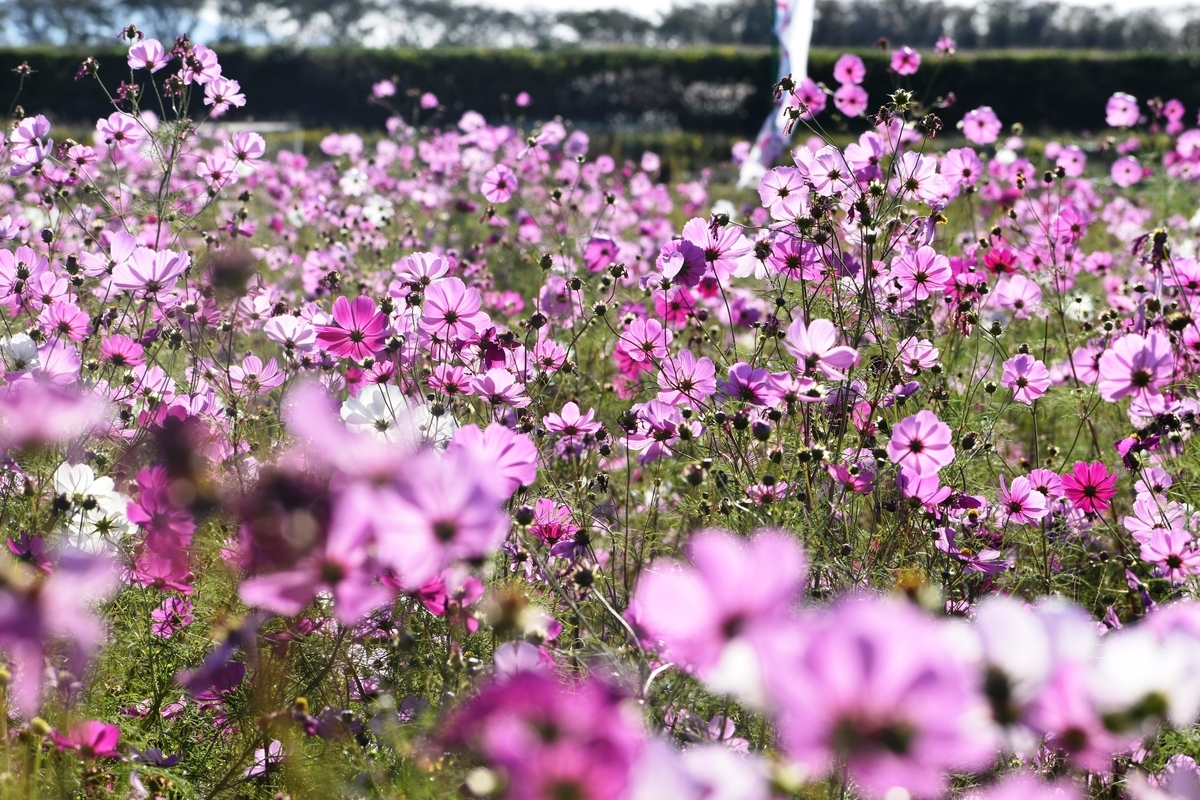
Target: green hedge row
point(718, 90)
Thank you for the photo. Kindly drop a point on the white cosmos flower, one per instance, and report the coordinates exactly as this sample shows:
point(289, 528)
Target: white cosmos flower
point(79, 481)
point(386, 413)
point(98, 516)
point(19, 352)
point(354, 182)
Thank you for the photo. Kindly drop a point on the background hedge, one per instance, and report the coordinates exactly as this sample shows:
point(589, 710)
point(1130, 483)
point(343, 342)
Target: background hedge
point(715, 90)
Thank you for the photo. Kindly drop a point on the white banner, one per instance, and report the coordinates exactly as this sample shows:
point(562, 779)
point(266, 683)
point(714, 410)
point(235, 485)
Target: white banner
point(793, 27)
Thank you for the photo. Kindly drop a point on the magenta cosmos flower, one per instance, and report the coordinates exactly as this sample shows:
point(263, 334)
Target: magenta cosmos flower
point(91, 739)
point(499, 184)
point(921, 444)
point(1090, 486)
point(359, 330)
point(906, 61)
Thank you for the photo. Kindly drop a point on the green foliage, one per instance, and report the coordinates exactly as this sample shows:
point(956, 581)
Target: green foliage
point(627, 90)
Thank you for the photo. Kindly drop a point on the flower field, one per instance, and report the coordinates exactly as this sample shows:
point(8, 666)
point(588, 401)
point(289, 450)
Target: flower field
point(473, 464)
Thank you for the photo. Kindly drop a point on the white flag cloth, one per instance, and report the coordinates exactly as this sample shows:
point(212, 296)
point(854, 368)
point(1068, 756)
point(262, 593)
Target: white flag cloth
point(793, 27)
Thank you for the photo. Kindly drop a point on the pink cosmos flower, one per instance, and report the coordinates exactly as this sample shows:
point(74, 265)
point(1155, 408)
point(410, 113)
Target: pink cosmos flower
point(200, 66)
point(1073, 161)
point(645, 340)
point(916, 177)
point(570, 423)
point(816, 349)
point(849, 69)
point(716, 615)
point(499, 184)
point(590, 755)
point(981, 125)
point(1048, 483)
point(864, 156)
point(921, 444)
point(222, 94)
point(916, 355)
point(252, 376)
point(1136, 365)
point(294, 334)
point(1126, 172)
point(829, 173)
point(782, 188)
point(876, 686)
point(921, 272)
point(38, 611)
point(925, 488)
point(446, 509)
point(149, 272)
point(746, 384)
point(65, 320)
point(1090, 486)
point(795, 258)
point(498, 387)
point(851, 100)
point(1020, 503)
point(809, 98)
point(1174, 552)
point(148, 54)
point(1122, 111)
point(1019, 295)
point(340, 565)
point(724, 251)
point(1027, 377)
point(905, 61)
point(685, 378)
point(422, 269)
point(359, 330)
point(451, 311)
point(247, 148)
point(512, 456)
point(121, 130)
point(174, 613)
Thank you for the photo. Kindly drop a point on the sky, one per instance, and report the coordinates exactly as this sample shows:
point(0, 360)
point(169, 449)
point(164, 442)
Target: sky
point(657, 7)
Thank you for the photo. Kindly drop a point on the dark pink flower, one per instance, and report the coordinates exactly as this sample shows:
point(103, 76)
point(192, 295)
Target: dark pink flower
point(359, 332)
point(1090, 486)
point(92, 739)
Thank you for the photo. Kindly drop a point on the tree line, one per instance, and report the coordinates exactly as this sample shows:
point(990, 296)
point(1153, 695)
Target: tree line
point(427, 23)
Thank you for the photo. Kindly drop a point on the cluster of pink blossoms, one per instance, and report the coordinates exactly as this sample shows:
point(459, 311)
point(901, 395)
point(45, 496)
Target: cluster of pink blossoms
point(395, 456)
